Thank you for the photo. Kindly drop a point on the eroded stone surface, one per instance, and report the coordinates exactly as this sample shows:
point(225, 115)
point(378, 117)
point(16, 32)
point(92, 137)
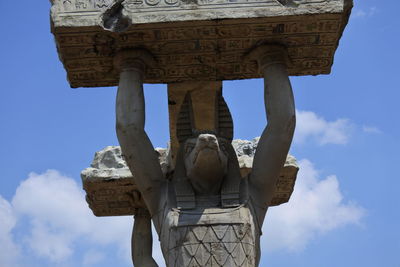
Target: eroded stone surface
point(109, 183)
point(82, 13)
point(194, 40)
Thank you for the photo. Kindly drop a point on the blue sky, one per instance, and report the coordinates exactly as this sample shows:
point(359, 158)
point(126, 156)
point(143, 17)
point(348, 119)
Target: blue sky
point(344, 211)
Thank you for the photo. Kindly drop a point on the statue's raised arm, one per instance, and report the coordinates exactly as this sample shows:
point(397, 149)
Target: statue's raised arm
point(276, 138)
point(130, 116)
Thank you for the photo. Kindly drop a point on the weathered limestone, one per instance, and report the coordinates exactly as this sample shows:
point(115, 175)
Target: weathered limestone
point(111, 189)
point(194, 40)
point(110, 186)
point(66, 13)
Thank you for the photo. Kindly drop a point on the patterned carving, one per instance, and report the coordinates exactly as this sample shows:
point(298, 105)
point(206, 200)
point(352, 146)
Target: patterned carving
point(114, 196)
point(193, 239)
point(155, 5)
point(102, 3)
point(212, 49)
point(170, 5)
point(209, 51)
point(215, 245)
point(82, 5)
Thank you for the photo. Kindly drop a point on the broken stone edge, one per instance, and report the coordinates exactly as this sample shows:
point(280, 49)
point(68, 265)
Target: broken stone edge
point(193, 12)
point(109, 188)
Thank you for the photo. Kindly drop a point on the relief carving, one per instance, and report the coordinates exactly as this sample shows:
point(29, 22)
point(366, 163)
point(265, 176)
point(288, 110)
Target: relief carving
point(82, 5)
point(133, 4)
point(93, 5)
point(102, 3)
point(207, 48)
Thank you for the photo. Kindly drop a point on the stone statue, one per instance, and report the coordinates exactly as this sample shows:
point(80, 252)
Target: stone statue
point(204, 211)
point(205, 215)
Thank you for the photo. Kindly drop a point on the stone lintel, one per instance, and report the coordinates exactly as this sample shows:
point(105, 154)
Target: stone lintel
point(203, 41)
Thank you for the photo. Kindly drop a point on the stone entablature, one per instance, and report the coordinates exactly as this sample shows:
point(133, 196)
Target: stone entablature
point(194, 40)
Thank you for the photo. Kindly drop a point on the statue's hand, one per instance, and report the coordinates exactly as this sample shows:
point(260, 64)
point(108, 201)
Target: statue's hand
point(269, 54)
point(133, 58)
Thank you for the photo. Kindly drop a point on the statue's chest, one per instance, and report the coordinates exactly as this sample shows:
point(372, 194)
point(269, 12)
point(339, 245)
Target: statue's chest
point(210, 237)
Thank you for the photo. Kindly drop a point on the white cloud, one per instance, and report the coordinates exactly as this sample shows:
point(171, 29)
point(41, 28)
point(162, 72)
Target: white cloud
point(363, 13)
point(371, 130)
point(54, 244)
point(359, 13)
point(92, 257)
point(8, 249)
point(316, 207)
point(310, 126)
point(59, 217)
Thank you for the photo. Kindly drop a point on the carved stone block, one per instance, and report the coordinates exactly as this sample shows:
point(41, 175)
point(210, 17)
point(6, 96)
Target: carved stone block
point(194, 40)
point(111, 188)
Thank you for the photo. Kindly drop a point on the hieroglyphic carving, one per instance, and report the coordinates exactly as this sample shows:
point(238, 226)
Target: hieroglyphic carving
point(102, 3)
point(170, 5)
point(154, 5)
point(112, 195)
point(187, 52)
point(211, 49)
point(82, 5)
point(89, 12)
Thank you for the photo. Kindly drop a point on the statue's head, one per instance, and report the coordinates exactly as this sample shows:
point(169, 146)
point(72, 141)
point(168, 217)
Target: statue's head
point(206, 162)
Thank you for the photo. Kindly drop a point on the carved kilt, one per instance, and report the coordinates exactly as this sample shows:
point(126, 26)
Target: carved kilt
point(210, 237)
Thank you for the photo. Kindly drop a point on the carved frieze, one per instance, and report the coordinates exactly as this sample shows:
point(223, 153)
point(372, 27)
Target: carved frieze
point(81, 5)
point(188, 50)
point(275, 7)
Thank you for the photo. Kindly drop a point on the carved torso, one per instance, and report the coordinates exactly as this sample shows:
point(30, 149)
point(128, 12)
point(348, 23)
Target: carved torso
point(209, 235)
